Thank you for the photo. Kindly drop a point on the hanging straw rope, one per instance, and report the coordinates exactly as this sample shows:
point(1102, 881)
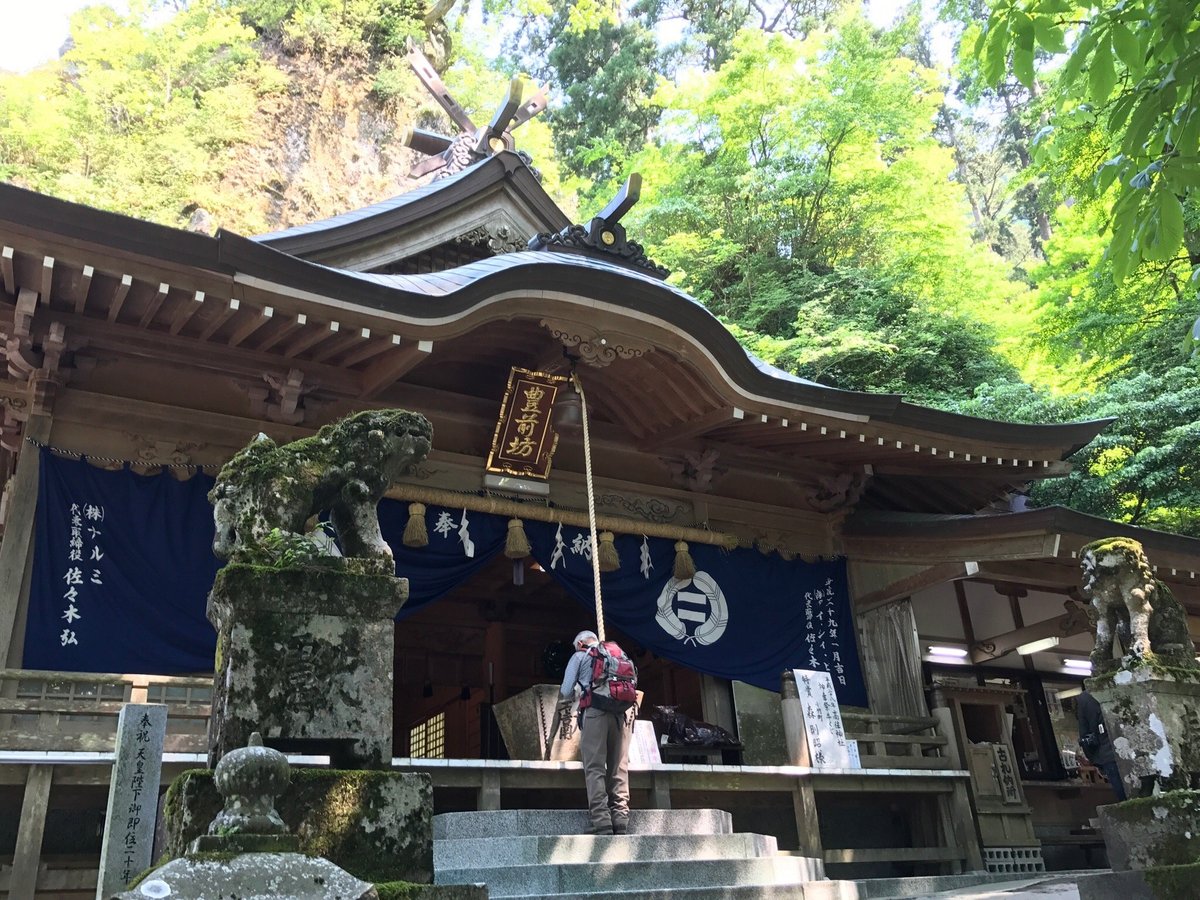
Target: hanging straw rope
point(591, 498)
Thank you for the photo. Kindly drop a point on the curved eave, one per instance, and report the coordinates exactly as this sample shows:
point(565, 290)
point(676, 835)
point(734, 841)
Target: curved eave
point(473, 295)
point(462, 292)
point(421, 203)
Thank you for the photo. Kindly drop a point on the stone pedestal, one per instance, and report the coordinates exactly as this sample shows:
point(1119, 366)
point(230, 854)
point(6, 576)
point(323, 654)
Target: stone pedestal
point(305, 656)
point(525, 721)
point(378, 826)
point(1152, 831)
point(1153, 716)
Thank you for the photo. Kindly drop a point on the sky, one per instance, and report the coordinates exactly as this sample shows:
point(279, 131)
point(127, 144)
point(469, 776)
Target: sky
point(35, 29)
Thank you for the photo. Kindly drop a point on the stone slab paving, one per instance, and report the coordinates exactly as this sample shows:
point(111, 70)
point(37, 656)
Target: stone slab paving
point(1030, 889)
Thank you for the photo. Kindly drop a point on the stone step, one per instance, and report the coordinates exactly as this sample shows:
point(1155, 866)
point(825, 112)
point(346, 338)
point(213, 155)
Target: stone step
point(582, 878)
point(506, 823)
point(482, 853)
point(813, 890)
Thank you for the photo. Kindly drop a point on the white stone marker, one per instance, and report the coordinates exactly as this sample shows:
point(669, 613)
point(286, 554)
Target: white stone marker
point(827, 745)
point(132, 797)
point(643, 747)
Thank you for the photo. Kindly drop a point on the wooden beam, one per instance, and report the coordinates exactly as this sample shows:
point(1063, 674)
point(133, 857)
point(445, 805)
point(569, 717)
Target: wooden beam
point(903, 587)
point(182, 351)
point(333, 347)
point(184, 314)
point(299, 322)
point(251, 325)
point(1073, 621)
point(982, 549)
point(387, 371)
point(370, 350)
point(24, 312)
point(118, 298)
point(315, 336)
point(693, 427)
point(30, 830)
point(85, 285)
point(16, 551)
point(155, 304)
point(221, 318)
point(6, 269)
point(47, 278)
point(1032, 573)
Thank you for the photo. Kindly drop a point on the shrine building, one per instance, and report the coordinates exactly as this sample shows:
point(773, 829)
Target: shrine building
point(830, 530)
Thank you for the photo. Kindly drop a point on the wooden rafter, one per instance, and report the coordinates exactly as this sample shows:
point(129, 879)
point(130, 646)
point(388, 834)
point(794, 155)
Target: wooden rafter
point(251, 325)
point(221, 318)
point(83, 288)
point(154, 305)
point(118, 298)
point(693, 427)
point(186, 310)
point(385, 372)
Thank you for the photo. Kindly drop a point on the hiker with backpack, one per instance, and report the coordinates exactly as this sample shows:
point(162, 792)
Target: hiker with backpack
point(607, 679)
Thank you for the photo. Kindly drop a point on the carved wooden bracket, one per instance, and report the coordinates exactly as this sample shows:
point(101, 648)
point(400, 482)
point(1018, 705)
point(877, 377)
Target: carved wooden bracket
point(279, 398)
point(595, 347)
point(695, 471)
point(832, 493)
point(153, 451)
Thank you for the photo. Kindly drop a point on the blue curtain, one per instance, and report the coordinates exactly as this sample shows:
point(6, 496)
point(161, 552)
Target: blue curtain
point(122, 566)
point(744, 616)
point(436, 570)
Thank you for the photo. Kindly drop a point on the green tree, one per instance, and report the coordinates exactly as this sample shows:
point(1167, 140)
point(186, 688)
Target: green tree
point(1129, 83)
point(1143, 469)
point(800, 192)
point(138, 114)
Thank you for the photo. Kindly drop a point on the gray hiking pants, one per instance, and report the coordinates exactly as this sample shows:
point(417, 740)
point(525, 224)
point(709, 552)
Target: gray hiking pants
point(604, 746)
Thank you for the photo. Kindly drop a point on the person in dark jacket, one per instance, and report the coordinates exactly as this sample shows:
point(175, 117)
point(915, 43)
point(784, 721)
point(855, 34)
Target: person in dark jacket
point(1096, 742)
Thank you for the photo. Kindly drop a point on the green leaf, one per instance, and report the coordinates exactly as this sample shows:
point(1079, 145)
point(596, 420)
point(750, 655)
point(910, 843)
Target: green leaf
point(1083, 49)
point(1023, 44)
point(1141, 123)
point(1127, 48)
point(995, 53)
point(1102, 75)
point(1049, 35)
point(1170, 215)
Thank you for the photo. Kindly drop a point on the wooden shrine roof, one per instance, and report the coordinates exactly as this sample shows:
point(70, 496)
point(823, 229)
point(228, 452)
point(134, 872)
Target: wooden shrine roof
point(76, 277)
point(1037, 547)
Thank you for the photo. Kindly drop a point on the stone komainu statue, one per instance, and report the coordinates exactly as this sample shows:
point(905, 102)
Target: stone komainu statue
point(344, 468)
point(1130, 602)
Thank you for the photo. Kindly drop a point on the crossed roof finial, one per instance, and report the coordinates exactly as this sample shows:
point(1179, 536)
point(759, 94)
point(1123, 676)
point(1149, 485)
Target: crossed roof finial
point(450, 155)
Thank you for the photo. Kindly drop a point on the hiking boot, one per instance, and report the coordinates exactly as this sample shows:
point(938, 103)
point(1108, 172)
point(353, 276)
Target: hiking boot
point(620, 826)
point(601, 828)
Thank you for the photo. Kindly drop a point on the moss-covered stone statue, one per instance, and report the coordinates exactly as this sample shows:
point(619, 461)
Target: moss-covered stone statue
point(1132, 604)
point(305, 639)
point(345, 468)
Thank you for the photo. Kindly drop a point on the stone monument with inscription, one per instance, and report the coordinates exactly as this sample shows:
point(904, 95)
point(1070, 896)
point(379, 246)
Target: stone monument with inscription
point(248, 851)
point(304, 638)
point(132, 796)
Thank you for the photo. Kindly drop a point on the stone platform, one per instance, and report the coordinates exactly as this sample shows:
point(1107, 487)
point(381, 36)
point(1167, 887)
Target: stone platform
point(375, 825)
point(302, 655)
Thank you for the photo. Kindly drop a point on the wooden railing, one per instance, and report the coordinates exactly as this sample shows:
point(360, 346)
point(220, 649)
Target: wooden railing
point(42, 710)
point(897, 742)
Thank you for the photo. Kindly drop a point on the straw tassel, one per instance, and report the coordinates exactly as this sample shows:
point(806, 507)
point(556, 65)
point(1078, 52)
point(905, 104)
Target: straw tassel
point(609, 561)
point(516, 545)
point(415, 533)
point(685, 567)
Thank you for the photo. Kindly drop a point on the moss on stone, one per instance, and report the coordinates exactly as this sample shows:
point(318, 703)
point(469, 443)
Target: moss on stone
point(1174, 882)
point(375, 825)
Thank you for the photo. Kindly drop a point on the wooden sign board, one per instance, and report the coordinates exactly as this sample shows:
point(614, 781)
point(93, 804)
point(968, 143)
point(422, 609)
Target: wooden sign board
point(827, 744)
point(524, 442)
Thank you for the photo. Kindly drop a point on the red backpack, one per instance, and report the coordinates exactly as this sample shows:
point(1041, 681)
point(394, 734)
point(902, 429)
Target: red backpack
point(614, 679)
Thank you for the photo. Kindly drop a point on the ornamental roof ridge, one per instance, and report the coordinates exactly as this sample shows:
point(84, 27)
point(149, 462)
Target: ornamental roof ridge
point(604, 235)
